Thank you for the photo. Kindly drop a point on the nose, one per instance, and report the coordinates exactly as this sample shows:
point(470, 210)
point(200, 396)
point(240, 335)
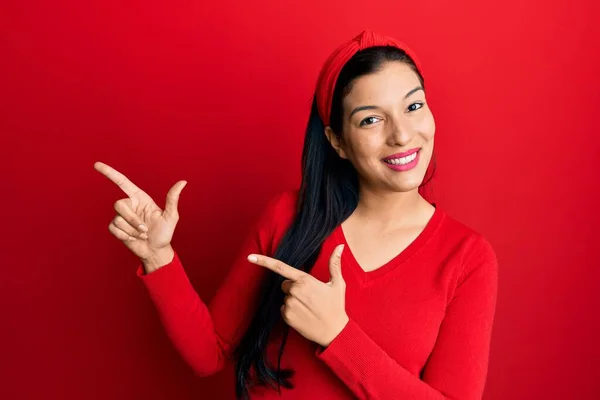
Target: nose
point(400, 132)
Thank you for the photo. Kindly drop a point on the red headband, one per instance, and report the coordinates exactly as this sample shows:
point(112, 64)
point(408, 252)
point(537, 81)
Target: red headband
point(332, 67)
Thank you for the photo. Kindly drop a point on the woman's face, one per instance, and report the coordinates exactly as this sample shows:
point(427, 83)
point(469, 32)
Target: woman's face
point(385, 114)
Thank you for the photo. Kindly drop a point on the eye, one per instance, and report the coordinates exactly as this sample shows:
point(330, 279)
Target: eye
point(419, 104)
point(363, 122)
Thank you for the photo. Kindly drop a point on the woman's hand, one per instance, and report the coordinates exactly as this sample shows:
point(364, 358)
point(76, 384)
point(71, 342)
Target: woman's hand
point(313, 308)
point(142, 226)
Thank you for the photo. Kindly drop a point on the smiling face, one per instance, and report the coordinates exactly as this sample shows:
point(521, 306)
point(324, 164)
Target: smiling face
point(384, 114)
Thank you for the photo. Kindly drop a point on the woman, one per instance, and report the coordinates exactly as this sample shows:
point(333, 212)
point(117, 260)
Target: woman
point(387, 296)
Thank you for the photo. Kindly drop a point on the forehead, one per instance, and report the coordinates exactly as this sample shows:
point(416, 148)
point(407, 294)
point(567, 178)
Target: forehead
point(386, 86)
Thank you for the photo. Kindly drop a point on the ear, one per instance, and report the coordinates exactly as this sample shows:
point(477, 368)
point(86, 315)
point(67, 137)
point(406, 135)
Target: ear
point(335, 142)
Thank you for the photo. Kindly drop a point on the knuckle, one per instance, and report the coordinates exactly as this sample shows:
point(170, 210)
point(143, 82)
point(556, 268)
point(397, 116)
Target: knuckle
point(116, 232)
point(302, 281)
point(118, 204)
point(278, 267)
point(120, 223)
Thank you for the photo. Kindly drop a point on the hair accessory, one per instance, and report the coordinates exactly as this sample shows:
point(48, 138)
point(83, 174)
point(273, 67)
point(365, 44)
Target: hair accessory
point(334, 64)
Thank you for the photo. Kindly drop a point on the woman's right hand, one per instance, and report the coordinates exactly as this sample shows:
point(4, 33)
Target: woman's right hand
point(140, 224)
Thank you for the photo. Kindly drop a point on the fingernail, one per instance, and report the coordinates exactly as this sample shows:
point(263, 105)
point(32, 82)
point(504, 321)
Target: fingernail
point(252, 258)
point(131, 238)
point(340, 249)
point(143, 228)
point(144, 236)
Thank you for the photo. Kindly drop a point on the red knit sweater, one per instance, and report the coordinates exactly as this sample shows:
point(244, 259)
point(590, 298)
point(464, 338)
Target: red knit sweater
point(420, 325)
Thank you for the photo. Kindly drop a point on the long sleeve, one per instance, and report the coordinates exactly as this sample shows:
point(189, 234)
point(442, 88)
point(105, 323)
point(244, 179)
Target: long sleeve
point(205, 335)
point(457, 366)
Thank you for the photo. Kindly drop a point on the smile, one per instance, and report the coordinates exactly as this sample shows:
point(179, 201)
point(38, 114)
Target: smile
point(403, 163)
point(402, 160)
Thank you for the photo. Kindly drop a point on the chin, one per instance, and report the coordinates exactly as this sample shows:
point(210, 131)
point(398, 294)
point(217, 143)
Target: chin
point(408, 187)
point(407, 183)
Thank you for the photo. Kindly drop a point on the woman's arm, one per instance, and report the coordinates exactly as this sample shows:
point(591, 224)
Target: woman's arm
point(205, 335)
point(456, 368)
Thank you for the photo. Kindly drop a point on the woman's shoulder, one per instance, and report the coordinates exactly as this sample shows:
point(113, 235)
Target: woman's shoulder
point(470, 258)
point(286, 200)
point(282, 205)
point(279, 212)
point(465, 237)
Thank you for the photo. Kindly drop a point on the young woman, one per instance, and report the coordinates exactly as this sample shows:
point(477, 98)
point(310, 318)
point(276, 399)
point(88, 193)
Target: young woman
point(387, 296)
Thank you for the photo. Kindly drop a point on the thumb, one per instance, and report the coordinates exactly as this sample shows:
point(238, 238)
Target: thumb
point(335, 266)
point(173, 198)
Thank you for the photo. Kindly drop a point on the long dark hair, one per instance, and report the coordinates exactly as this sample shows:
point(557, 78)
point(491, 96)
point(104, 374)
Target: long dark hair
point(328, 195)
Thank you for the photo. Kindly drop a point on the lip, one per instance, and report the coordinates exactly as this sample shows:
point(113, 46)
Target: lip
point(404, 167)
point(403, 154)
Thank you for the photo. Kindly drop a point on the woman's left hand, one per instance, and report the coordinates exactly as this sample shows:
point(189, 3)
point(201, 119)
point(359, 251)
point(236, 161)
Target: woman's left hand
point(313, 308)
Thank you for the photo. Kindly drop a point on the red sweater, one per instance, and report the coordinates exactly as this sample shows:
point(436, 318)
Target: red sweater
point(420, 325)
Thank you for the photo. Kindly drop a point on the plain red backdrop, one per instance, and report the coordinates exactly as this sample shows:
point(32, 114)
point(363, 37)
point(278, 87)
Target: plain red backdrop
point(218, 93)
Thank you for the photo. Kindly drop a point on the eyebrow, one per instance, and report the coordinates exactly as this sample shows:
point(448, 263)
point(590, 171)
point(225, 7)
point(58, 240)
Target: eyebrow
point(362, 108)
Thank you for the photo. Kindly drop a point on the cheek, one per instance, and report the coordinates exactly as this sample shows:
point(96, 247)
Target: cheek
point(427, 154)
point(426, 127)
point(364, 147)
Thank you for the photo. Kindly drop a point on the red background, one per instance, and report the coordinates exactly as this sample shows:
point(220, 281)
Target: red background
point(218, 94)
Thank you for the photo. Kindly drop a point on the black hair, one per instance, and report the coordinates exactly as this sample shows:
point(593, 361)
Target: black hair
point(328, 195)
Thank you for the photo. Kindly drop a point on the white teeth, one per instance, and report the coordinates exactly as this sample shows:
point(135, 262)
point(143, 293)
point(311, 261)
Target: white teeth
point(402, 160)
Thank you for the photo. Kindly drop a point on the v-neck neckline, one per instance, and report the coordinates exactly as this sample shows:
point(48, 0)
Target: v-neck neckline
point(412, 248)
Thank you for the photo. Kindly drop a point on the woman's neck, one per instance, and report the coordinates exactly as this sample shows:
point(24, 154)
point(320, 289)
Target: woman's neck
point(390, 210)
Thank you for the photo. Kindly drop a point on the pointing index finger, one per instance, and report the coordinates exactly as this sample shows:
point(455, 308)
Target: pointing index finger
point(277, 266)
point(118, 178)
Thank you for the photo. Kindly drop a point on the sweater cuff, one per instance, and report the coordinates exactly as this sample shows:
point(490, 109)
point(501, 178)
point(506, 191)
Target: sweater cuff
point(165, 283)
point(347, 352)
point(141, 272)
